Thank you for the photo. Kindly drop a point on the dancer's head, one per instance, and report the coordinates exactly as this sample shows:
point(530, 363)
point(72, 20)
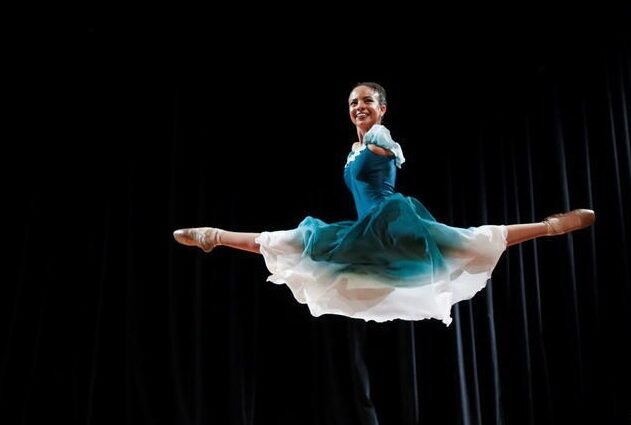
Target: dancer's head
point(367, 105)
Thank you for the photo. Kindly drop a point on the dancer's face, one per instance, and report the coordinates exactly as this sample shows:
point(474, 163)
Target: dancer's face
point(365, 108)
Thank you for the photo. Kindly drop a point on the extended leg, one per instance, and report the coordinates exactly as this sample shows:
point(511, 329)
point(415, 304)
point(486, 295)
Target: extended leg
point(207, 238)
point(557, 224)
point(518, 233)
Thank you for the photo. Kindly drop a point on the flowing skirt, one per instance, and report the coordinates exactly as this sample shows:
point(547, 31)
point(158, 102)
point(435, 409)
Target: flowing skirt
point(397, 262)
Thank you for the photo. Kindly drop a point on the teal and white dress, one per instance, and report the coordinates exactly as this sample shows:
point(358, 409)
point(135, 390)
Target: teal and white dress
point(394, 262)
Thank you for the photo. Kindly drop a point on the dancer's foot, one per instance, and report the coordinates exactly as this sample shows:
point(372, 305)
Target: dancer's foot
point(206, 238)
point(559, 224)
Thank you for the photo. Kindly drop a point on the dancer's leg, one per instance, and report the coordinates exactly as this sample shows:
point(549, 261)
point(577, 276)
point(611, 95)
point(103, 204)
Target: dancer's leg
point(239, 240)
point(518, 233)
point(207, 238)
point(557, 224)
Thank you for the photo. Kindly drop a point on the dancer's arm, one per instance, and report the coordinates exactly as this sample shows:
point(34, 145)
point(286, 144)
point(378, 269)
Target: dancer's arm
point(379, 141)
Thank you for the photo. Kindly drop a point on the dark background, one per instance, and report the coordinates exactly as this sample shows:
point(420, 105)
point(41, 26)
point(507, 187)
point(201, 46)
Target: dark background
point(123, 132)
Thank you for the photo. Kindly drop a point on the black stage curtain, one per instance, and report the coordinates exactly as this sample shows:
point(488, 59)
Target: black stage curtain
point(127, 135)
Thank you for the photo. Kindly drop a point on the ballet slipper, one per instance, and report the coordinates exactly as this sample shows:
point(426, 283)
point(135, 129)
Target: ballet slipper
point(559, 224)
point(206, 238)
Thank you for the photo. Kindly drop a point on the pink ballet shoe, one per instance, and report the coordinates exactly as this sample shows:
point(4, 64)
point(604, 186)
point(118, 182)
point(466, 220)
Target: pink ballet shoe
point(206, 238)
point(559, 224)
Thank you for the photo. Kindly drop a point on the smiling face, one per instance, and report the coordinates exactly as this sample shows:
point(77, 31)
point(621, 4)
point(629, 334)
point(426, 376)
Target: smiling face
point(365, 108)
